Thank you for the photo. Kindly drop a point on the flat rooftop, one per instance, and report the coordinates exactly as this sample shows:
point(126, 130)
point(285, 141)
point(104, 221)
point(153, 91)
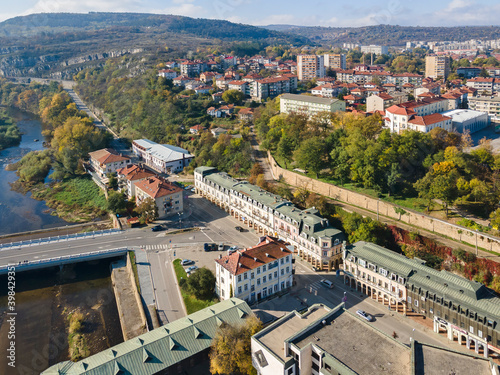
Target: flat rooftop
point(437, 361)
point(359, 346)
point(275, 338)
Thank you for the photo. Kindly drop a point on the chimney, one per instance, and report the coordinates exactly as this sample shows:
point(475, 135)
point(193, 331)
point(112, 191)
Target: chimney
point(220, 256)
point(267, 255)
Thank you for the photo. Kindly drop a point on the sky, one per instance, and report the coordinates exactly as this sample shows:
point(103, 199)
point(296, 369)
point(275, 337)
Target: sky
point(293, 12)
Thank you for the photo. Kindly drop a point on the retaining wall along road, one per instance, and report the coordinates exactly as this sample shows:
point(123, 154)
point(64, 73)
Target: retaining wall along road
point(417, 219)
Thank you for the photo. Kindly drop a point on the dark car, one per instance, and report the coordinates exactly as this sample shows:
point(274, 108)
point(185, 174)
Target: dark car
point(209, 247)
point(157, 228)
point(239, 229)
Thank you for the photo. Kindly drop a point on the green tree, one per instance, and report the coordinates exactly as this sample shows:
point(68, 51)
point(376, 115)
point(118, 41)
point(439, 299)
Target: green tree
point(285, 149)
point(444, 187)
point(233, 96)
point(230, 352)
point(112, 181)
point(116, 202)
point(202, 283)
point(147, 210)
point(34, 166)
point(311, 155)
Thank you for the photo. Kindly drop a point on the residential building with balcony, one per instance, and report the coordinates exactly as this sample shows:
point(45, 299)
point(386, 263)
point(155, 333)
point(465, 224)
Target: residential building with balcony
point(107, 161)
point(129, 176)
point(310, 67)
point(379, 102)
point(313, 238)
point(255, 273)
point(335, 60)
point(488, 104)
point(167, 73)
point(437, 66)
point(485, 86)
point(309, 105)
point(162, 158)
point(167, 196)
point(269, 87)
point(377, 50)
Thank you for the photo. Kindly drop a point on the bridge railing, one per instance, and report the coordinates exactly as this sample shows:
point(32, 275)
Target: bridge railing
point(64, 259)
point(55, 239)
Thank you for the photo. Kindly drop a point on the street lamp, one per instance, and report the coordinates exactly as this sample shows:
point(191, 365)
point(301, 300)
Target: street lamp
point(180, 222)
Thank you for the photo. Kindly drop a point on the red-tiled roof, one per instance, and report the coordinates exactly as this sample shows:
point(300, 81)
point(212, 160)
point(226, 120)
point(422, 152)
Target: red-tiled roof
point(397, 110)
point(429, 119)
point(385, 96)
point(134, 172)
point(157, 187)
point(269, 250)
point(106, 156)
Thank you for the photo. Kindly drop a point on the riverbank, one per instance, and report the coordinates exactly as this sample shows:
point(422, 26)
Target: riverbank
point(9, 131)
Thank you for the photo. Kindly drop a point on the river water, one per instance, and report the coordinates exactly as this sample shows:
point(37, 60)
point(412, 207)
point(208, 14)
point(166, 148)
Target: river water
point(44, 300)
point(19, 212)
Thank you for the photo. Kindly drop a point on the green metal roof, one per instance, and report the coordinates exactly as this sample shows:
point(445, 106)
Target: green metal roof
point(161, 348)
point(451, 287)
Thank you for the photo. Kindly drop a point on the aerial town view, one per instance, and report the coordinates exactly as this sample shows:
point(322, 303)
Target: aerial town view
point(226, 187)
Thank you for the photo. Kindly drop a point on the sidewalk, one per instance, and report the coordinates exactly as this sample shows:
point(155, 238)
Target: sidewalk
point(147, 290)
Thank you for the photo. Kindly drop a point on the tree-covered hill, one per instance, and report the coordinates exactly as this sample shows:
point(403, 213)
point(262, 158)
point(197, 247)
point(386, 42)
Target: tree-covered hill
point(391, 35)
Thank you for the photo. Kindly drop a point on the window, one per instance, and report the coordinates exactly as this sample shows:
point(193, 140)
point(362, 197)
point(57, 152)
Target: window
point(258, 270)
point(252, 288)
point(431, 310)
point(245, 276)
point(471, 329)
point(275, 274)
point(480, 333)
point(264, 279)
point(416, 302)
point(264, 268)
point(315, 355)
point(222, 293)
point(462, 325)
point(454, 321)
point(409, 298)
point(282, 272)
point(287, 269)
point(239, 290)
point(258, 281)
point(222, 280)
point(246, 287)
point(289, 371)
point(282, 261)
point(239, 278)
point(252, 276)
point(270, 276)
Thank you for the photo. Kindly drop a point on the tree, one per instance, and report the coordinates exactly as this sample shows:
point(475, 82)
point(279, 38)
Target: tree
point(147, 210)
point(112, 181)
point(495, 219)
point(116, 202)
point(444, 187)
point(310, 155)
point(230, 352)
point(233, 96)
point(285, 149)
point(201, 284)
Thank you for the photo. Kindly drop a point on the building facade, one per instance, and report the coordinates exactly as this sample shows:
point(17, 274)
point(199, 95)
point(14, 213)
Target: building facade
point(467, 120)
point(335, 60)
point(437, 66)
point(310, 67)
point(465, 309)
point(107, 161)
point(309, 105)
point(162, 158)
point(129, 176)
point(313, 239)
point(255, 273)
point(488, 104)
point(168, 197)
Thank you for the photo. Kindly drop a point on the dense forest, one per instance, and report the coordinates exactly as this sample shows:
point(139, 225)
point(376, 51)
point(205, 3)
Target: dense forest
point(151, 107)
point(349, 149)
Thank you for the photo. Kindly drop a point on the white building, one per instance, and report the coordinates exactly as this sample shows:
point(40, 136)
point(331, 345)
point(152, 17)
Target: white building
point(335, 60)
point(377, 50)
point(311, 105)
point(312, 237)
point(468, 120)
point(488, 104)
point(162, 158)
point(255, 273)
point(106, 161)
point(167, 73)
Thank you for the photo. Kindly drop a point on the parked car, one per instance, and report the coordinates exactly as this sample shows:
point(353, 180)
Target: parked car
point(185, 262)
point(364, 315)
point(156, 228)
point(221, 246)
point(239, 229)
point(327, 283)
point(232, 249)
point(191, 269)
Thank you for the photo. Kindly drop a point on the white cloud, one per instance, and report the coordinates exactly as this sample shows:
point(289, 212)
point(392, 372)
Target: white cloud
point(463, 13)
point(184, 9)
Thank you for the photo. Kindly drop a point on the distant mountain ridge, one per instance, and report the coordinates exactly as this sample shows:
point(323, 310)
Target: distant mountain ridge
point(390, 35)
point(36, 24)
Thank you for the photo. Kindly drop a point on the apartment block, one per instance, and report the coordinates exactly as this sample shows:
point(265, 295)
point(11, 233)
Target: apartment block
point(311, 236)
point(310, 67)
point(335, 60)
point(379, 102)
point(437, 66)
point(488, 104)
point(167, 196)
point(377, 50)
point(309, 105)
point(162, 158)
point(255, 273)
point(269, 87)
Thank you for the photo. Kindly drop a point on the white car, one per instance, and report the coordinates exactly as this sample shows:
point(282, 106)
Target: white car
point(364, 315)
point(185, 262)
point(232, 249)
point(327, 283)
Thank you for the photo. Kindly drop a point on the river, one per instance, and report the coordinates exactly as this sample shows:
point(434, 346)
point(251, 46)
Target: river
point(44, 300)
point(19, 212)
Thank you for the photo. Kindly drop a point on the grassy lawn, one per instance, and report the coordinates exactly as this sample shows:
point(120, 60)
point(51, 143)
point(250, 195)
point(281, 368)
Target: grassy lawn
point(192, 303)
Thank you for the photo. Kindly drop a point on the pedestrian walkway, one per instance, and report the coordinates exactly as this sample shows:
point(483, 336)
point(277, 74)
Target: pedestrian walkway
point(164, 246)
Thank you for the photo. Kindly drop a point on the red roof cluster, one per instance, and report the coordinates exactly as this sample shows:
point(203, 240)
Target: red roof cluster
point(157, 187)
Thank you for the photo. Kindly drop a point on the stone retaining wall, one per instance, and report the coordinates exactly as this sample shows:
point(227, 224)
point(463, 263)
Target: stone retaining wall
point(417, 219)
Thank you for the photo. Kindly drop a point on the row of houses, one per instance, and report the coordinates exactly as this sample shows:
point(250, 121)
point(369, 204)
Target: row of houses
point(464, 309)
point(314, 239)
